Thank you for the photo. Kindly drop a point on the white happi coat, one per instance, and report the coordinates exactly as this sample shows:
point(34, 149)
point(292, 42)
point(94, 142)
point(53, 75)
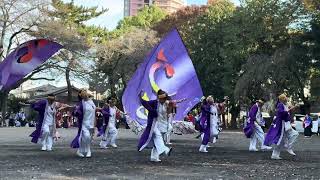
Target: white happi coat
point(89, 110)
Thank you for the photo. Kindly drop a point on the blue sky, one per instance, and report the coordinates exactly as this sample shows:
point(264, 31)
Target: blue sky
point(111, 18)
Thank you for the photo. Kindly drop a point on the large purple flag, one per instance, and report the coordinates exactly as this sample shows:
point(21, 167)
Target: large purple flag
point(24, 59)
point(167, 67)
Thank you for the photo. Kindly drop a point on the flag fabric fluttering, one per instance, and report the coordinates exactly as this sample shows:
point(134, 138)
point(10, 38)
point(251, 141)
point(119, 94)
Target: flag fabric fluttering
point(24, 59)
point(167, 67)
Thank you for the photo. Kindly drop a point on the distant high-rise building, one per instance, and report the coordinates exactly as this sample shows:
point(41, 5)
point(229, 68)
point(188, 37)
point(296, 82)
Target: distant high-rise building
point(170, 6)
point(126, 9)
point(131, 7)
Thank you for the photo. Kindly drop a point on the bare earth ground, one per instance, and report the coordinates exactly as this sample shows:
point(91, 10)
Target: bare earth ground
point(228, 159)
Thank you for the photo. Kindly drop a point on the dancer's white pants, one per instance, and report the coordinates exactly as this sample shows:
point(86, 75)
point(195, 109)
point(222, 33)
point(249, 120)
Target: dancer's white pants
point(257, 136)
point(109, 137)
point(85, 140)
point(47, 137)
point(287, 141)
point(158, 147)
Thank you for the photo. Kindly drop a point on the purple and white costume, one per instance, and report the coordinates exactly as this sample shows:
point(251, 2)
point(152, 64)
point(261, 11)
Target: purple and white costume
point(209, 125)
point(151, 136)
point(169, 128)
point(45, 124)
point(85, 112)
point(109, 130)
point(164, 121)
point(253, 128)
point(281, 133)
point(214, 119)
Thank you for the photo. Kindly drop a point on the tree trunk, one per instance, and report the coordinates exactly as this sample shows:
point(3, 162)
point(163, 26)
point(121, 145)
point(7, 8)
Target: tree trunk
point(235, 111)
point(112, 86)
point(224, 122)
point(124, 85)
point(69, 86)
point(122, 91)
point(3, 102)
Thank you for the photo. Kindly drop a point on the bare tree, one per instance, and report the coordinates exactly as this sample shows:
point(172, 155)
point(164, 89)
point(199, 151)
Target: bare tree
point(66, 24)
point(17, 19)
point(120, 57)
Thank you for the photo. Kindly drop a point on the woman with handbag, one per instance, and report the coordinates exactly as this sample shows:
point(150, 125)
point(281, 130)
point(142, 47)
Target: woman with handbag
point(281, 132)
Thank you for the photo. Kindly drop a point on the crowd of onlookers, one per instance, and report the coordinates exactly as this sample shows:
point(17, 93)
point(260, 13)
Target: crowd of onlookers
point(15, 120)
point(63, 120)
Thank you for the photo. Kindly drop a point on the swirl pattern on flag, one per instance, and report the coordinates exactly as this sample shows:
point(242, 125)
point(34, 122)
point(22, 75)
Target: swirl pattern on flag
point(24, 59)
point(167, 67)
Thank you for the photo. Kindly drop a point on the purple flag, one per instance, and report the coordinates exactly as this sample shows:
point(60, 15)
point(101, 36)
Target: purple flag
point(24, 59)
point(167, 67)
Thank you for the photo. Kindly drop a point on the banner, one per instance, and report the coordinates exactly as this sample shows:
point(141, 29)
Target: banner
point(24, 59)
point(167, 67)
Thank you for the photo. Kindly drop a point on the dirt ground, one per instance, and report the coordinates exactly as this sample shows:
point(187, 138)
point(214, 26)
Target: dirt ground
point(228, 159)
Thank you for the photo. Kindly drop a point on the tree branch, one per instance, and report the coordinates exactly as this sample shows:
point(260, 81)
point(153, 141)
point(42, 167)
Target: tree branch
point(22, 30)
point(22, 14)
point(41, 78)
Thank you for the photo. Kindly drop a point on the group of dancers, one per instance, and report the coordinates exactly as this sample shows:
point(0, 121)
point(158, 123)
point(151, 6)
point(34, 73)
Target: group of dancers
point(281, 133)
point(85, 111)
point(158, 130)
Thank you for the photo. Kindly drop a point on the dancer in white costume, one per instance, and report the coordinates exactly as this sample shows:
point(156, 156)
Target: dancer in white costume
point(253, 128)
point(165, 125)
point(46, 125)
point(171, 115)
point(86, 113)
point(152, 135)
point(214, 122)
point(109, 130)
point(281, 132)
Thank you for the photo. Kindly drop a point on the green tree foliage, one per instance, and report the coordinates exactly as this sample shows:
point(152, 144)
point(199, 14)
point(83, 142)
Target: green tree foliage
point(14, 105)
point(202, 29)
point(146, 18)
point(262, 47)
point(67, 26)
point(184, 20)
point(282, 43)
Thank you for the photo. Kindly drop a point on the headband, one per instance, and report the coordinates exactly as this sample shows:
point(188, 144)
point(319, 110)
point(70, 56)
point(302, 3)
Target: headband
point(162, 96)
point(260, 101)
